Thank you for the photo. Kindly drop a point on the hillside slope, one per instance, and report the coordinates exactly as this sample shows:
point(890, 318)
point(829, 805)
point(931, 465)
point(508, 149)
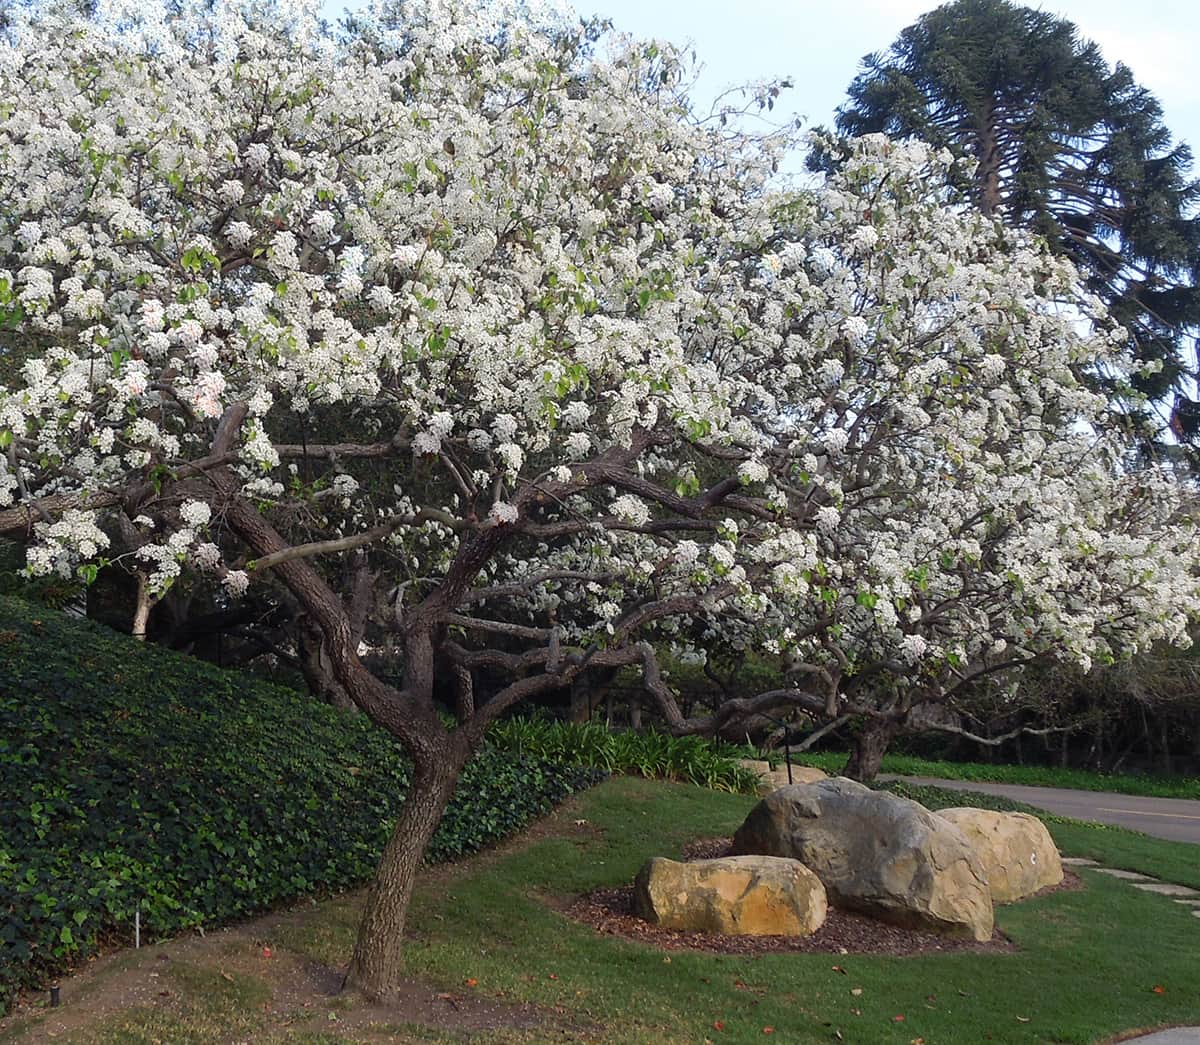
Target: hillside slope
point(137, 779)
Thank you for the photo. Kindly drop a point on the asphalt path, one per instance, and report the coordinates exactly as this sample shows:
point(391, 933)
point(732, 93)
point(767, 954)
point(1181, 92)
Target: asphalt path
point(1177, 819)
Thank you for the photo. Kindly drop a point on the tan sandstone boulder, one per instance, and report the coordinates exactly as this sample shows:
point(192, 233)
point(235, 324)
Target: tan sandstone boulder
point(1017, 851)
point(740, 895)
point(772, 779)
point(877, 853)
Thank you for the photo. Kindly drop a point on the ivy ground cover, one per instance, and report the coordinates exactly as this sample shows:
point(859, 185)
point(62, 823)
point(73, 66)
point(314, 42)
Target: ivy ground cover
point(138, 780)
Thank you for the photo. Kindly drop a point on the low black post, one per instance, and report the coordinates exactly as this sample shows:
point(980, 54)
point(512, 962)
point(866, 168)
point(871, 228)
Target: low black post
point(54, 998)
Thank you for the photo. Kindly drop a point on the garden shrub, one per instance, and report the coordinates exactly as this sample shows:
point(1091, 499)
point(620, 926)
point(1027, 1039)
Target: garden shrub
point(133, 777)
point(697, 760)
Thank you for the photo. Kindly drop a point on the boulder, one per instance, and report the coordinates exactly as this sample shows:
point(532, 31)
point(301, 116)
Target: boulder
point(771, 779)
point(800, 775)
point(1016, 850)
point(876, 853)
point(740, 895)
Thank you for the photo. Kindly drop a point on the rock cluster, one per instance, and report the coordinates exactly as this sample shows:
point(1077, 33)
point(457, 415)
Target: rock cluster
point(837, 842)
point(877, 853)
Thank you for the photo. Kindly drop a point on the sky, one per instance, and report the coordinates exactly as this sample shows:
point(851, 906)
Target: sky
point(818, 43)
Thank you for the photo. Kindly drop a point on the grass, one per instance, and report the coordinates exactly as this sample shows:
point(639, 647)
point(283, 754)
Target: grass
point(1087, 967)
point(1032, 776)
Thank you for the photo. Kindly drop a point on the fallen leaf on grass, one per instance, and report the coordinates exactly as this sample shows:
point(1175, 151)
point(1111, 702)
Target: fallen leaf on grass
point(856, 991)
point(1024, 1019)
point(718, 1024)
point(266, 952)
point(898, 1018)
point(226, 976)
point(768, 1030)
point(552, 976)
point(1158, 988)
point(838, 968)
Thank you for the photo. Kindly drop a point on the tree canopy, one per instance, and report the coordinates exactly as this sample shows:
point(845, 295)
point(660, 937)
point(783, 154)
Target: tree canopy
point(1062, 144)
point(472, 342)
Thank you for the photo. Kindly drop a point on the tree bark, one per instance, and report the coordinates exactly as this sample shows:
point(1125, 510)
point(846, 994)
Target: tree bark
point(314, 666)
point(141, 613)
point(987, 174)
point(868, 748)
point(375, 969)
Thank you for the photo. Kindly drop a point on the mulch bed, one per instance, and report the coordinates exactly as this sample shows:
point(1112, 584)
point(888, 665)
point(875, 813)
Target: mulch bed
point(610, 911)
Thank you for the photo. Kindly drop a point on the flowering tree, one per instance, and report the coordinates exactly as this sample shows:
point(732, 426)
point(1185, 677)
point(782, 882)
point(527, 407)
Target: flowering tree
point(586, 390)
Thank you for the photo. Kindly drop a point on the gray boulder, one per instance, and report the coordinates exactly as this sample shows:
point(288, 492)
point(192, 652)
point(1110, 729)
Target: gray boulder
point(876, 853)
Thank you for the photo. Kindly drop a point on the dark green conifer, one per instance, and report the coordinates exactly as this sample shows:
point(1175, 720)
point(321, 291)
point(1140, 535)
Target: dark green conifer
point(1064, 145)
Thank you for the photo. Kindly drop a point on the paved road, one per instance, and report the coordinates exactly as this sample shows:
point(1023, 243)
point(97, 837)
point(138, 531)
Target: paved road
point(1176, 1036)
point(1177, 819)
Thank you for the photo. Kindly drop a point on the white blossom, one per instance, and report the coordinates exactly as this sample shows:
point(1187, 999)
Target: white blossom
point(502, 512)
point(195, 514)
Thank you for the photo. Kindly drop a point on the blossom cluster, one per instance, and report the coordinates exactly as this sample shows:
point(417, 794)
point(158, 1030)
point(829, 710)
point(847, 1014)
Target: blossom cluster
point(470, 286)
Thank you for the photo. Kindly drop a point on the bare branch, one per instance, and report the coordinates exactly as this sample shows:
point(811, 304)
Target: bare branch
point(508, 591)
point(357, 540)
point(20, 520)
point(997, 741)
point(499, 627)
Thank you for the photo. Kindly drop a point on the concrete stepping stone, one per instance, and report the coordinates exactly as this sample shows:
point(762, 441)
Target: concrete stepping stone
point(1124, 876)
point(1165, 889)
point(1078, 861)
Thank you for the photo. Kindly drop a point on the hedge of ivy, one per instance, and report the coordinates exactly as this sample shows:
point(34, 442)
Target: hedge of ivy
point(132, 777)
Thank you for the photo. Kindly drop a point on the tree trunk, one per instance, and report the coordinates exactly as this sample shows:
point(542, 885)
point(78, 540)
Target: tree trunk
point(587, 693)
point(375, 969)
point(869, 747)
point(316, 669)
point(1164, 732)
point(987, 173)
point(145, 603)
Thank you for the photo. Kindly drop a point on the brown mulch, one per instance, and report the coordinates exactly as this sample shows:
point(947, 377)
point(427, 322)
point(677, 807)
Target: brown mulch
point(610, 911)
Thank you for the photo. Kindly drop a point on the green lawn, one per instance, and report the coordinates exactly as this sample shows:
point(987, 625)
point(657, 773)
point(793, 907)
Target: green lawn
point(1088, 963)
point(1087, 966)
point(1034, 776)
